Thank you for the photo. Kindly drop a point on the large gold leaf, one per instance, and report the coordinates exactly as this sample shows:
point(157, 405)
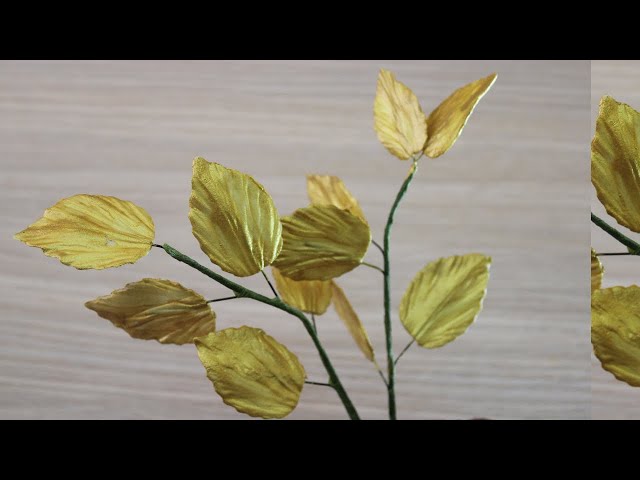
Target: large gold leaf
point(251, 371)
point(615, 161)
point(351, 320)
point(321, 242)
point(233, 218)
point(444, 298)
point(330, 190)
point(615, 331)
point(446, 122)
point(399, 120)
point(311, 296)
point(155, 309)
point(92, 231)
point(596, 271)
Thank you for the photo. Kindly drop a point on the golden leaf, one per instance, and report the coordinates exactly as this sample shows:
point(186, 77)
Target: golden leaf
point(233, 218)
point(321, 242)
point(311, 296)
point(615, 331)
point(399, 120)
point(446, 122)
point(351, 320)
point(615, 161)
point(330, 190)
point(155, 309)
point(444, 298)
point(92, 231)
point(596, 271)
point(251, 371)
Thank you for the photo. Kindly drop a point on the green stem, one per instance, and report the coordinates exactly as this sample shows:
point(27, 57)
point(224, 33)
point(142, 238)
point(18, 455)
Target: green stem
point(634, 247)
point(387, 294)
point(279, 304)
point(371, 265)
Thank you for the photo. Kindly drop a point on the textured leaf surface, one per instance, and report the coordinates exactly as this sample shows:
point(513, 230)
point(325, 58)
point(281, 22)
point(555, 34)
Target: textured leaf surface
point(444, 298)
point(156, 309)
point(233, 218)
point(615, 331)
point(311, 296)
point(351, 320)
point(399, 120)
point(330, 190)
point(446, 122)
point(92, 231)
point(321, 242)
point(251, 371)
point(615, 161)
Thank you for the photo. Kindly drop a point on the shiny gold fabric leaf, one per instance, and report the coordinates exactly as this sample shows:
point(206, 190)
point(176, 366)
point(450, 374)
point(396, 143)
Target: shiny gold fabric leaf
point(615, 331)
point(155, 309)
point(446, 122)
point(351, 320)
point(615, 161)
point(330, 190)
point(321, 242)
point(311, 296)
point(444, 298)
point(233, 218)
point(399, 120)
point(251, 371)
point(92, 231)
point(596, 271)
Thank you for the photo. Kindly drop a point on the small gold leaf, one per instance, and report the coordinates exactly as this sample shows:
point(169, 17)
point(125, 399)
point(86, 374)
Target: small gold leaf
point(251, 371)
point(321, 242)
point(155, 309)
point(92, 231)
point(311, 296)
point(233, 218)
point(399, 120)
point(351, 320)
point(444, 298)
point(615, 161)
point(615, 331)
point(446, 122)
point(330, 190)
point(596, 271)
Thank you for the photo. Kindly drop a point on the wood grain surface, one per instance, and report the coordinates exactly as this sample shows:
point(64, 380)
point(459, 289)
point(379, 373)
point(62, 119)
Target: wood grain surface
point(612, 399)
point(515, 187)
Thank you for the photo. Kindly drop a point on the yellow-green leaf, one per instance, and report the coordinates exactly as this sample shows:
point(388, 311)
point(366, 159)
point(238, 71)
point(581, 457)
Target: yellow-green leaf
point(92, 231)
point(399, 120)
point(321, 242)
point(597, 271)
point(330, 190)
point(155, 309)
point(233, 218)
point(251, 371)
point(615, 161)
point(444, 298)
point(311, 296)
point(351, 320)
point(615, 331)
point(446, 122)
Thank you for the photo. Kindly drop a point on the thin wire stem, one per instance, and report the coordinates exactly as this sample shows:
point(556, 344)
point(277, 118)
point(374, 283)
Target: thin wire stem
point(321, 384)
point(313, 319)
point(613, 254)
point(270, 285)
point(222, 299)
point(378, 245)
point(373, 266)
point(404, 350)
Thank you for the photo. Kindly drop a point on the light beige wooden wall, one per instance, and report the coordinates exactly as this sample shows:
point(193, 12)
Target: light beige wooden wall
point(613, 399)
point(515, 186)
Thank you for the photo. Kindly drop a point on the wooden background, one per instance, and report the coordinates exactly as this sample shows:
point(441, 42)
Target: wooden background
point(515, 187)
point(613, 399)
